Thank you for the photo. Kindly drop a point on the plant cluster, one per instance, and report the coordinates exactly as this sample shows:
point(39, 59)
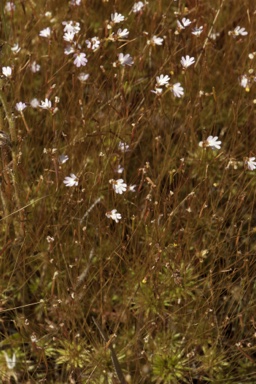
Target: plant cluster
point(127, 203)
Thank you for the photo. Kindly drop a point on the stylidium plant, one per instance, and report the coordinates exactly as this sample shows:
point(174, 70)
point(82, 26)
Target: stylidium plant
point(117, 18)
point(177, 90)
point(114, 215)
point(211, 142)
point(250, 163)
point(123, 222)
point(238, 31)
point(183, 23)
point(46, 104)
point(137, 7)
point(80, 59)
point(7, 71)
point(162, 80)
point(155, 40)
point(187, 61)
point(71, 181)
point(20, 106)
point(45, 32)
point(119, 186)
point(197, 31)
point(125, 59)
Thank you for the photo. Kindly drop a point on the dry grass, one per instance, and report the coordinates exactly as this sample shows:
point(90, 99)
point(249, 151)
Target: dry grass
point(170, 288)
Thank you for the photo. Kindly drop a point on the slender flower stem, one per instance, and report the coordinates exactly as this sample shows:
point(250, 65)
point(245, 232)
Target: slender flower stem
point(209, 33)
point(14, 173)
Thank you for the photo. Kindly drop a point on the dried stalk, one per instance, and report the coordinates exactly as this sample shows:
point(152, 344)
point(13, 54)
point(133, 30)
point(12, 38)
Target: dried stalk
point(9, 152)
point(209, 33)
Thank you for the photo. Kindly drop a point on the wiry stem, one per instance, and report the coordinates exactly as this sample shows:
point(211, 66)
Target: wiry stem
point(13, 174)
point(209, 33)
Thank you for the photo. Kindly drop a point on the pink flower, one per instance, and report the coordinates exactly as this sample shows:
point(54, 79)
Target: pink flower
point(80, 59)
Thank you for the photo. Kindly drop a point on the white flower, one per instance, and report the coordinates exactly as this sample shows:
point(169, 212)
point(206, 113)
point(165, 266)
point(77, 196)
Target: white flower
point(33, 337)
point(211, 142)
point(244, 81)
point(9, 7)
point(63, 159)
point(251, 163)
point(177, 90)
point(80, 59)
point(45, 32)
point(15, 48)
point(137, 7)
point(49, 239)
point(71, 181)
point(69, 36)
point(183, 23)
point(197, 31)
point(7, 71)
point(10, 361)
point(214, 35)
point(83, 77)
point(162, 80)
point(47, 104)
point(119, 169)
point(123, 147)
point(68, 50)
point(131, 188)
point(34, 103)
point(35, 67)
point(125, 59)
point(20, 106)
point(71, 26)
point(157, 91)
point(93, 44)
point(119, 186)
point(114, 215)
point(75, 2)
point(187, 61)
point(239, 31)
point(116, 18)
point(122, 34)
point(155, 41)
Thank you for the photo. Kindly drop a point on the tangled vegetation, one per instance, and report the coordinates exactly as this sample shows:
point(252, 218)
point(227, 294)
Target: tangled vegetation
point(128, 180)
